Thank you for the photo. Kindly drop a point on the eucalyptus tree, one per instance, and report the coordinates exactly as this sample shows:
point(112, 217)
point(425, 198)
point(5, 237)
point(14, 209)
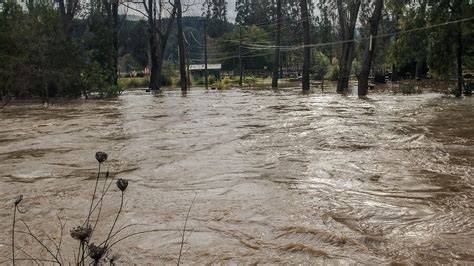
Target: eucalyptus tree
point(68, 10)
point(347, 24)
point(182, 54)
point(217, 22)
point(451, 46)
point(373, 22)
point(159, 31)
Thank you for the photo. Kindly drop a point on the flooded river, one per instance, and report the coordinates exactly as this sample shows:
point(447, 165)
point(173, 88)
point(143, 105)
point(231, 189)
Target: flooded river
point(279, 177)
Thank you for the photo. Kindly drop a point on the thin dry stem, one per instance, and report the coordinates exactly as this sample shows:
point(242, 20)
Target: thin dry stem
point(184, 229)
point(13, 236)
point(116, 218)
point(93, 195)
point(41, 243)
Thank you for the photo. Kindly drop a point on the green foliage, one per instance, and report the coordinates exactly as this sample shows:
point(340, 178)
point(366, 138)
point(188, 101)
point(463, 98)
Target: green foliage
point(333, 71)
point(134, 42)
point(409, 88)
point(197, 80)
point(37, 59)
point(94, 79)
point(356, 66)
point(409, 46)
point(128, 63)
point(438, 45)
point(320, 64)
point(130, 83)
point(220, 84)
point(211, 79)
point(252, 59)
point(168, 74)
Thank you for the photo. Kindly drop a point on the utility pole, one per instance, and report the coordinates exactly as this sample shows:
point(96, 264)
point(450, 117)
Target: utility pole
point(182, 53)
point(206, 72)
point(276, 60)
point(240, 54)
point(188, 63)
point(281, 66)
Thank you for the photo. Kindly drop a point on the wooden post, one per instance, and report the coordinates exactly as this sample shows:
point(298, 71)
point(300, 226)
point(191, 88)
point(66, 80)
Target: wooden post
point(240, 54)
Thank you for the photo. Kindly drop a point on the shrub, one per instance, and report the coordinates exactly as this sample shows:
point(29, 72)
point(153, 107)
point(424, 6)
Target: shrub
point(320, 65)
point(222, 83)
point(468, 88)
point(136, 82)
point(333, 72)
point(409, 88)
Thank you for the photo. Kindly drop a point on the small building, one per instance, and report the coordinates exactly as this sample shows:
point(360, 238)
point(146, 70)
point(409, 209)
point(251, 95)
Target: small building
point(199, 70)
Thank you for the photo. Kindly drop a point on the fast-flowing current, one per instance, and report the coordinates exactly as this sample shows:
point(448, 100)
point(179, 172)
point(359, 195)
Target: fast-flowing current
point(267, 177)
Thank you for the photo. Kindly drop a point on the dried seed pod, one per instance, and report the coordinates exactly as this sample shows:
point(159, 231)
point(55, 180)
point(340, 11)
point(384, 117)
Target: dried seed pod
point(81, 233)
point(122, 184)
point(18, 199)
point(101, 156)
point(96, 252)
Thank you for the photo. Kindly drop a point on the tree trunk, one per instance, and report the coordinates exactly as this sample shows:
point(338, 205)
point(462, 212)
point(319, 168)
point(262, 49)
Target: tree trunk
point(182, 53)
point(419, 68)
point(111, 9)
point(459, 55)
point(115, 42)
point(158, 40)
point(347, 34)
point(350, 46)
point(369, 51)
point(154, 67)
point(241, 68)
point(67, 11)
point(342, 25)
point(276, 61)
point(206, 71)
point(394, 73)
point(421, 54)
point(306, 50)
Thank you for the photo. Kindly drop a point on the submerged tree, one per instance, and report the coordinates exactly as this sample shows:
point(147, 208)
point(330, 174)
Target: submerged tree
point(369, 49)
point(182, 54)
point(305, 21)
point(347, 23)
point(158, 34)
point(276, 60)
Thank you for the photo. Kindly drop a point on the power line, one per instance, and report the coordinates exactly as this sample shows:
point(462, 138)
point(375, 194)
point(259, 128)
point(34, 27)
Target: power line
point(256, 46)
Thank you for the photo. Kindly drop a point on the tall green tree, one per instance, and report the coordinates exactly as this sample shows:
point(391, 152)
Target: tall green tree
point(37, 57)
point(449, 57)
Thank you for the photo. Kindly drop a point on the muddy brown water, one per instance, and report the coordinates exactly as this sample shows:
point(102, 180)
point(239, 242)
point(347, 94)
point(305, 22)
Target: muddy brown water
point(279, 177)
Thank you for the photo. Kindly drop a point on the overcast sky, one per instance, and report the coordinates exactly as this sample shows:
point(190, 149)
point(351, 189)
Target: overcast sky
point(230, 10)
point(196, 10)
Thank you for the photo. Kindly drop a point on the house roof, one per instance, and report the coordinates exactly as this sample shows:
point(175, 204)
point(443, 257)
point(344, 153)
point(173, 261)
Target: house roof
point(202, 67)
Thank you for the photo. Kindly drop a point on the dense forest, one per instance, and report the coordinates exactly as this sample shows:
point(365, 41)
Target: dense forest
point(71, 48)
